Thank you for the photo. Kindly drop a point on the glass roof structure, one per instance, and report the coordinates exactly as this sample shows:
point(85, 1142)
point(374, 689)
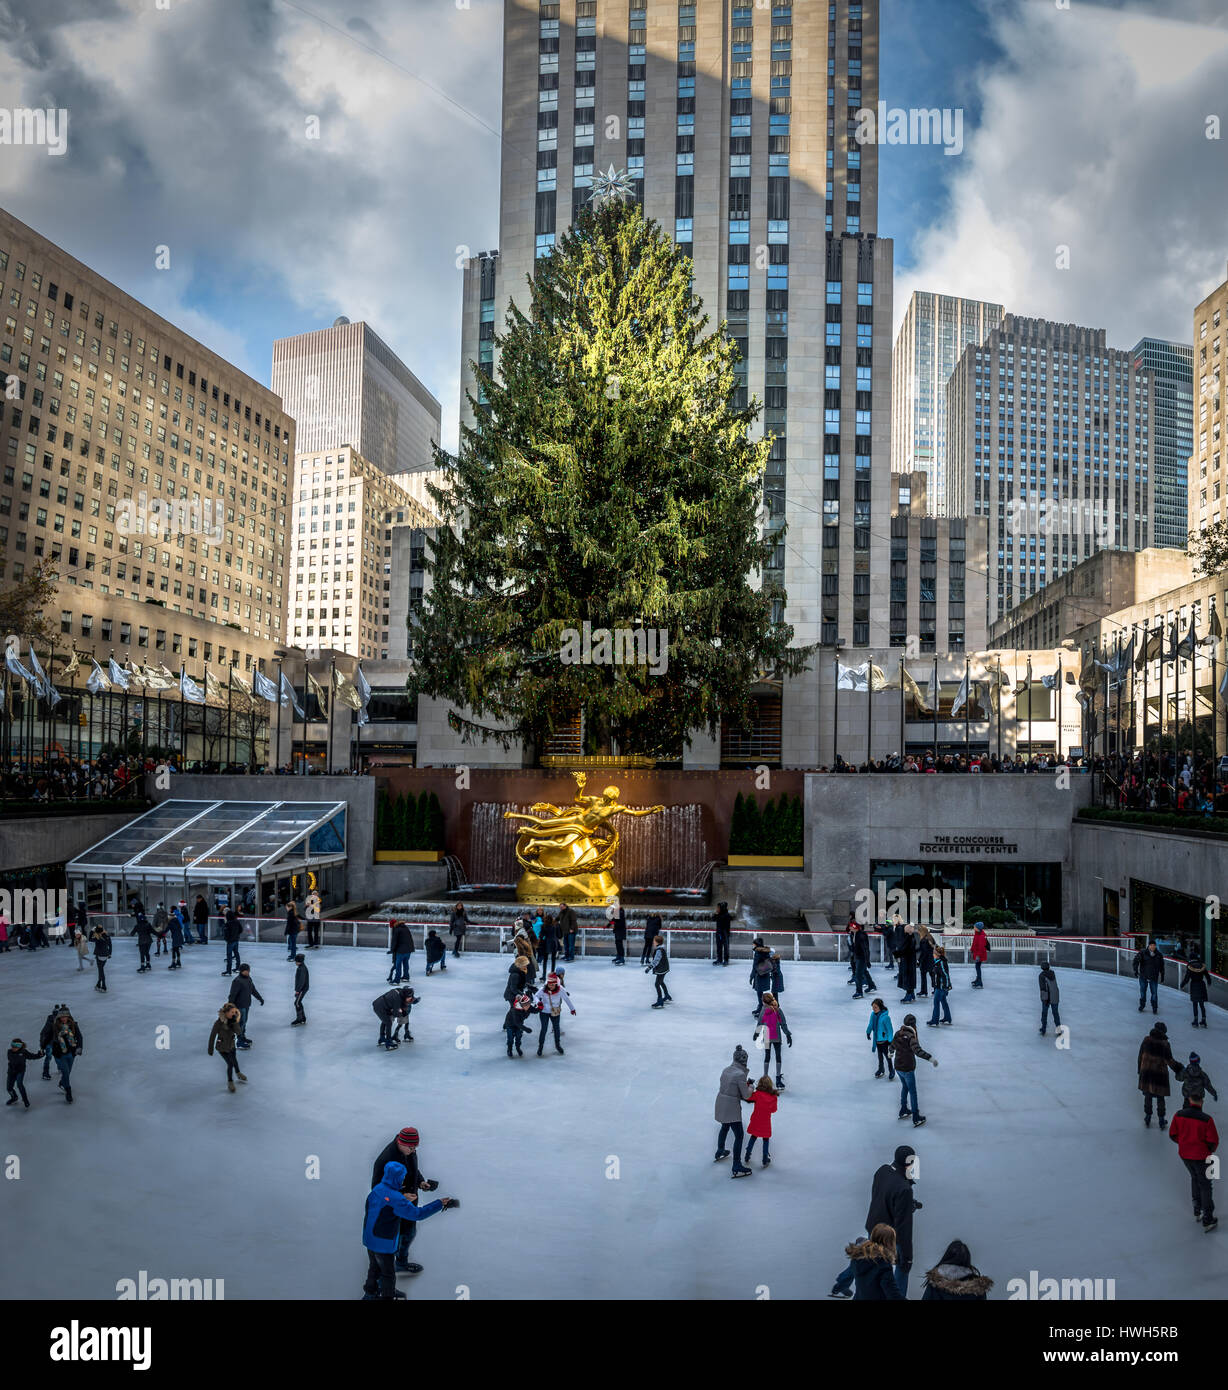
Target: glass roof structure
point(219, 840)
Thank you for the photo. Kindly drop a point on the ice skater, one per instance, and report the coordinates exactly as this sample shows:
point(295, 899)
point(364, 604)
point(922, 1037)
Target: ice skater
point(292, 929)
point(313, 921)
point(1195, 1079)
point(1196, 1138)
point(871, 1267)
point(760, 973)
point(548, 943)
point(955, 1278)
point(176, 931)
point(200, 918)
point(880, 1033)
point(458, 925)
point(232, 932)
point(302, 983)
point(891, 1205)
point(906, 1047)
point(1196, 978)
point(514, 1022)
point(652, 929)
point(395, 1003)
point(908, 964)
point(980, 953)
point(658, 967)
point(82, 947)
point(15, 1071)
point(386, 1207)
point(735, 1092)
point(224, 1036)
point(568, 926)
point(772, 1027)
point(161, 925)
point(143, 931)
point(859, 958)
point(436, 951)
point(941, 974)
point(925, 958)
point(46, 1033)
point(66, 1047)
point(724, 926)
point(1050, 995)
point(763, 1103)
point(403, 1149)
point(1149, 971)
point(400, 948)
point(242, 991)
point(618, 924)
point(1155, 1061)
point(517, 979)
point(102, 954)
point(551, 999)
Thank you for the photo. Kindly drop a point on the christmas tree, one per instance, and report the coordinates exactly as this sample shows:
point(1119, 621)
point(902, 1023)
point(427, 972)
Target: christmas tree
point(608, 479)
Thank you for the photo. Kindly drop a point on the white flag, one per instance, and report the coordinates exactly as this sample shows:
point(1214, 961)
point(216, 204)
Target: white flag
point(850, 677)
point(264, 687)
point(931, 699)
point(961, 696)
point(288, 696)
point(363, 687)
point(97, 682)
point(40, 676)
point(188, 688)
point(1223, 687)
point(13, 662)
point(118, 675)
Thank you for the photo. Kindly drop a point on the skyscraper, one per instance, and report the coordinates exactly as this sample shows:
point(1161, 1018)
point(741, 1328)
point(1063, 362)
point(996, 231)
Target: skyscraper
point(1050, 438)
point(936, 330)
point(345, 386)
point(737, 123)
point(1172, 429)
point(1208, 500)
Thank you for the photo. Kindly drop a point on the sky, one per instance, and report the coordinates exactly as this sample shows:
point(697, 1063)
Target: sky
point(304, 160)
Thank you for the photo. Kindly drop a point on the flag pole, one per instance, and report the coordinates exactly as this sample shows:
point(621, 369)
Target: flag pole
point(332, 705)
point(903, 750)
point(937, 702)
point(277, 764)
point(835, 709)
point(967, 711)
point(869, 713)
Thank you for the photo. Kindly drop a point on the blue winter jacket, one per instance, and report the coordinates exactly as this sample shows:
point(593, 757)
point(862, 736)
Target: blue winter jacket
point(879, 1029)
point(386, 1206)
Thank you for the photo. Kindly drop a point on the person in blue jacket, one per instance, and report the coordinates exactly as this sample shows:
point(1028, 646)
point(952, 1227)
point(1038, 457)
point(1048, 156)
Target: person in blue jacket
point(880, 1032)
point(386, 1208)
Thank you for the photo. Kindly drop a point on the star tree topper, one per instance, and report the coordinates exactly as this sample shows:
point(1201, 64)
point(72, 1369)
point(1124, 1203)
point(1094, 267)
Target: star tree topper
point(612, 183)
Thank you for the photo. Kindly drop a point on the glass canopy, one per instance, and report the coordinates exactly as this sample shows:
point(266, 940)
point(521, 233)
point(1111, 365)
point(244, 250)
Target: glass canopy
point(219, 839)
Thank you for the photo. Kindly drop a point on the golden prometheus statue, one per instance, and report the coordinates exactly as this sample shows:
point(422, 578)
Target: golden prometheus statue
point(567, 852)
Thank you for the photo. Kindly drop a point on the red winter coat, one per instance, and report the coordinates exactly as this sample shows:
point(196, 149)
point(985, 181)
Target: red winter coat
point(1194, 1133)
point(980, 946)
point(760, 1125)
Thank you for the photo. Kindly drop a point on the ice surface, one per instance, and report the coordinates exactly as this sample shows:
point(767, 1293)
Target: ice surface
point(1037, 1157)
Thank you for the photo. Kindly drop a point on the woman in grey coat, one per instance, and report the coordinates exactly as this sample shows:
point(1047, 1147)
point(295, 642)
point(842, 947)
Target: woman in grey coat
point(735, 1091)
point(1050, 994)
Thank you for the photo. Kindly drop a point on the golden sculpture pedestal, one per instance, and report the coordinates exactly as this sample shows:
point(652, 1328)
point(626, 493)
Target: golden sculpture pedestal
point(567, 852)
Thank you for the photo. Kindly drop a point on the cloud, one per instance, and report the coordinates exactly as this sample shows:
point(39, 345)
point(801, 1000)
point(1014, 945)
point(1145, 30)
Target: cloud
point(193, 128)
point(1092, 137)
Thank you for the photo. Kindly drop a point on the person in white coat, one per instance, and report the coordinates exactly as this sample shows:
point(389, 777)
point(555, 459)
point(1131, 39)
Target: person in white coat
point(552, 999)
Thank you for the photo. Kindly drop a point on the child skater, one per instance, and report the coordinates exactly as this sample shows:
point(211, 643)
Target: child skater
point(760, 1126)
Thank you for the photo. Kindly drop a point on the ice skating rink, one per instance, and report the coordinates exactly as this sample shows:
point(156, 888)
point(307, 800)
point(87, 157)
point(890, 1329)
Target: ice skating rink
point(588, 1175)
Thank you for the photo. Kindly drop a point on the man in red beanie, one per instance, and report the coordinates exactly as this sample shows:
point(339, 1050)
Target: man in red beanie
point(403, 1149)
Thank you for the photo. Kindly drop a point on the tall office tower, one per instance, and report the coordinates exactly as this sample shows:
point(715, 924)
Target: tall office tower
point(1050, 438)
point(1172, 431)
point(936, 330)
point(344, 386)
point(152, 473)
point(340, 586)
point(1208, 499)
point(737, 123)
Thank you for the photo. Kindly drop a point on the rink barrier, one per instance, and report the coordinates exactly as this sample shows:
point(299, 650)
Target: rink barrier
point(1096, 954)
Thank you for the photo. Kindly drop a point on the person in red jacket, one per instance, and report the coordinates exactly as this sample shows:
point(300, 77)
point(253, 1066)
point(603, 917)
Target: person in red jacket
point(980, 953)
point(1196, 1139)
point(760, 1127)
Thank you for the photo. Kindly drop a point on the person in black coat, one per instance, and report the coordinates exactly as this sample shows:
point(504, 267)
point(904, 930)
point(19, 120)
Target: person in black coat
point(925, 961)
point(652, 929)
point(403, 1149)
point(619, 923)
point(724, 926)
point(302, 983)
point(458, 925)
point(144, 933)
point(1196, 979)
point(200, 918)
point(568, 926)
point(548, 944)
point(1149, 971)
point(892, 1203)
point(242, 991)
point(871, 1262)
point(436, 951)
point(176, 931)
point(44, 1038)
point(955, 1279)
point(15, 1071)
point(859, 956)
point(908, 966)
point(102, 954)
point(396, 1003)
point(517, 979)
point(400, 949)
point(232, 932)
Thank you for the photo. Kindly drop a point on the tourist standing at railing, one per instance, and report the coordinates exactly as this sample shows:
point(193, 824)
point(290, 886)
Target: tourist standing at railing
point(894, 935)
point(200, 916)
point(1050, 995)
point(1155, 1061)
point(1149, 969)
point(313, 921)
point(401, 948)
point(652, 929)
point(458, 924)
point(568, 926)
point(1196, 978)
point(980, 953)
point(724, 924)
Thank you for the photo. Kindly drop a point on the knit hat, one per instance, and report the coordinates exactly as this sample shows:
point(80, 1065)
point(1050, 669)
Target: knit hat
point(300, 959)
point(553, 977)
point(739, 1055)
point(409, 1135)
point(1161, 1030)
point(1194, 1057)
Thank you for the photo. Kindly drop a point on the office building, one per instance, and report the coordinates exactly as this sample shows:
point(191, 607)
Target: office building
point(737, 124)
point(937, 329)
point(345, 387)
point(1208, 502)
point(1172, 430)
point(1050, 439)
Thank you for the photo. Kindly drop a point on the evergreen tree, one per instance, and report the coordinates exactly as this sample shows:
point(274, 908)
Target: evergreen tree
point(770, 827)
point(737, 826)
point(434, 823)
point(381, 821)
point(405, 821)
point(754, 827)
point(609, 479)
